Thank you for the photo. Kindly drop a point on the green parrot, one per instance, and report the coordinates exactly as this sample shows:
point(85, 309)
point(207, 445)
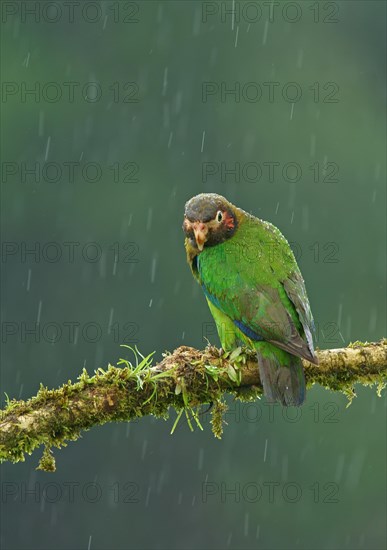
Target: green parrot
point(254, 290)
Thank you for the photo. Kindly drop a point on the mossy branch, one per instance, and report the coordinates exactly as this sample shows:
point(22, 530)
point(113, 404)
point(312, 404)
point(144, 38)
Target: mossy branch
point(184, 379)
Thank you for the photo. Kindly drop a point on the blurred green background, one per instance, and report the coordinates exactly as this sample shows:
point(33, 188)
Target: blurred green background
point(138, 151)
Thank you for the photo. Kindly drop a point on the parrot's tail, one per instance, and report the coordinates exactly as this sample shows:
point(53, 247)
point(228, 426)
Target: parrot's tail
point(282, 377)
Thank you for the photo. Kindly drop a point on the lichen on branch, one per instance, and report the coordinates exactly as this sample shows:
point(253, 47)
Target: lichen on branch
point(184, 379)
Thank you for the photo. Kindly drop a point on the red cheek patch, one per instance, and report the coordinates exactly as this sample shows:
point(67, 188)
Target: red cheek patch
point(229, 221)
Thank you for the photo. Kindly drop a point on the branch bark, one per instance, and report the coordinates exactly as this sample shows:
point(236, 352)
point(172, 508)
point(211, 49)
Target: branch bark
point(184, 379)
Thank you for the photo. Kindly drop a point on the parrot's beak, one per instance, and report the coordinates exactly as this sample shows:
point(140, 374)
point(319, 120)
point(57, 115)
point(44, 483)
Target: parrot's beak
point(200, 231)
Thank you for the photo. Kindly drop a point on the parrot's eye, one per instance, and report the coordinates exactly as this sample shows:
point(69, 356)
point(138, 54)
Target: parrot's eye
point(219, 216)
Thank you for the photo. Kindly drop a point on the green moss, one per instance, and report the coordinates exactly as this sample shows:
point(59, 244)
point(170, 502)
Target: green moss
point(358, 344)
point(60, 415)
point(249, 393)
point(47, 462)
point(186, 380)
point(217, 417)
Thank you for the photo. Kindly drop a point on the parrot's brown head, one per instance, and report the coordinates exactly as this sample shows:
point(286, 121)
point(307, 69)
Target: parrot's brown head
point(209, 219)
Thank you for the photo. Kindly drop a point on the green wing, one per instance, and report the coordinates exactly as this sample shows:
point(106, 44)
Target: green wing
point(295, 289)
